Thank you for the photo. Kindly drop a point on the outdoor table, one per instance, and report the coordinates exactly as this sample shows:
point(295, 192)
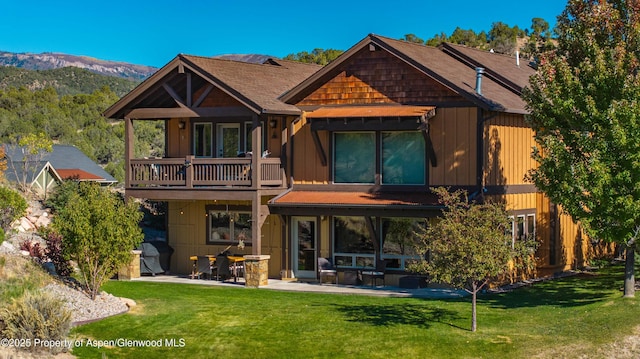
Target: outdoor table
point(235, 260)
point(194, 270)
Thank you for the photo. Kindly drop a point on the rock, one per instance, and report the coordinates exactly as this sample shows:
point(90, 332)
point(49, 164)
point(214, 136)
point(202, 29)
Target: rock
point(7, 247)
point(128, 302)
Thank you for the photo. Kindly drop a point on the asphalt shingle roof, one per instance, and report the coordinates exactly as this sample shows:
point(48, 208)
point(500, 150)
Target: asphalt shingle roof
point(260, 84)
point(63, 157)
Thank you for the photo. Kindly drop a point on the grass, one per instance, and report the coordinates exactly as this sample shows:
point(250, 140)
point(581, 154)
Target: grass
point(568, 317)
point(19, 275)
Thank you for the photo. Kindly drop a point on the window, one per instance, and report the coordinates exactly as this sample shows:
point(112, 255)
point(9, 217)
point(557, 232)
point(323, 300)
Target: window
point(228, 227)
point(354, 157)
point(353, 246)
point(403, 160)
point(203, 139)
point(398, 241)
point(401, 155)
point(522, 226)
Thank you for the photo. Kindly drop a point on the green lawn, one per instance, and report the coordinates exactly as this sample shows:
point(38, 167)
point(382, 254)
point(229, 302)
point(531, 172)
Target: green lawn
point(560, 318)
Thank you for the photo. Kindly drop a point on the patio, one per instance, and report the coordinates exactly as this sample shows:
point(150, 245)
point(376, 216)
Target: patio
point(276, 284)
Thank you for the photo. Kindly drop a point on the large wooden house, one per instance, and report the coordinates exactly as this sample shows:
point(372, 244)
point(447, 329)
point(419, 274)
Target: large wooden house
point(298, 162)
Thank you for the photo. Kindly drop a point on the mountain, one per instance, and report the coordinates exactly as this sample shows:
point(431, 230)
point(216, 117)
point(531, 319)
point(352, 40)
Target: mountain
point(253, 58)
point(50, 60)
point(71, 74)
point(66, 80)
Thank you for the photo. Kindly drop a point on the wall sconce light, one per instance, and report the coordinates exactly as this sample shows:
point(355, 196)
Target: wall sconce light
point(181, 125)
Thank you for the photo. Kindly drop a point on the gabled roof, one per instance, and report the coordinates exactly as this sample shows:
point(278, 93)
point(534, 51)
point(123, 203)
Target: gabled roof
point(501, 68)
point(15, 171)
point(433, 62)
point(63, 157)
point(256, 86)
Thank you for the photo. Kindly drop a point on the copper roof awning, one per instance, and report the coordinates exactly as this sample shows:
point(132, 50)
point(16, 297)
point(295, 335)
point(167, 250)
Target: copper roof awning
point(356, 203)
point(373, 111)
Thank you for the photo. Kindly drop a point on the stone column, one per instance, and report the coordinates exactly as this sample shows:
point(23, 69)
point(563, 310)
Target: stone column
point(131, 270)
point(256, 270)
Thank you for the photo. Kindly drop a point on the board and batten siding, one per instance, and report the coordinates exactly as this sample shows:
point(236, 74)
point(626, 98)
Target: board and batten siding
point(307, 166)
point(508, 143)
point(187, 226)
point(453, 133)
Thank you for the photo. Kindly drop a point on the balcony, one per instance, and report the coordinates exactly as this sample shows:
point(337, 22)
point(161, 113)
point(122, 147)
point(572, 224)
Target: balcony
point(191, 172)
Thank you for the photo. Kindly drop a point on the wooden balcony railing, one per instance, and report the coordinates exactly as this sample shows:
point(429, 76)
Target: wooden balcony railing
point(203, 172)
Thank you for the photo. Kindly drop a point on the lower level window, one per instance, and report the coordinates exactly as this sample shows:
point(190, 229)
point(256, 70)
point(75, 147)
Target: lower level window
point(228, 227)
point(523, 226)
point(399, 241)
point(352, 243)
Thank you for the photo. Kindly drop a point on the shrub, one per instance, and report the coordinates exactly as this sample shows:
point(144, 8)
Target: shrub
point(34, 249)
point(12, 207)
point(60, 195)
point(54, 252)
point(36, 316)
point(99, 231)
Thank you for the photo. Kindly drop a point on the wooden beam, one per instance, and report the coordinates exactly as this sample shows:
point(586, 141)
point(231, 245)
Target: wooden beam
point(164, 194)
point(264, 213)
point(189, 90)
point(173, 95)
point(128, 148)
point(430, 150)
point(319, 149)
point(365, 124)
point(256, 228)
point(157, 113)
point(175, 112)
point(204, 95)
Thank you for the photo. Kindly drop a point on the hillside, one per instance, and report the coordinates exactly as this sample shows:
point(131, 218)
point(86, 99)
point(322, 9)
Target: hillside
point(49, 61)
point(66, 81)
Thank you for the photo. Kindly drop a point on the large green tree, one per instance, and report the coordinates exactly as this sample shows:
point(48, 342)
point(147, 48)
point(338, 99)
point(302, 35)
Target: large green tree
point(99, 232)
point(585, 111)
point(471, 245)
point(317, 56)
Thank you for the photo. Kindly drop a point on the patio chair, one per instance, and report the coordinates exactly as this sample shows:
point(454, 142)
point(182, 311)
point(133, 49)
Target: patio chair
point(326, 269)
point(375, 274)
point(203, 266)
point(223, 271)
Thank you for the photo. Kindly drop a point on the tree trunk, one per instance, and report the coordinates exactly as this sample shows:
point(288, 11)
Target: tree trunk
point(629, 267)
point(474, 295)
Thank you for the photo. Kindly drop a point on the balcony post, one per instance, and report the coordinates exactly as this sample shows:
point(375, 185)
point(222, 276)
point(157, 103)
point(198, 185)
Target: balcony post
point(256, 146)
point(188, 171)
point(128, 149)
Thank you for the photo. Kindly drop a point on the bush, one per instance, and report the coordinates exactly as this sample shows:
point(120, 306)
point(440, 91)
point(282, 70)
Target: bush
point(34, 249)
point(99, 231)
point(60, 195)
point(36, 316)
point(54, 253)
point(12, 207)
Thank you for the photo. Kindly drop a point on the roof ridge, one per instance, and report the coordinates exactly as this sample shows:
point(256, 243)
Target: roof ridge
point(258, 64)
point(477, 50)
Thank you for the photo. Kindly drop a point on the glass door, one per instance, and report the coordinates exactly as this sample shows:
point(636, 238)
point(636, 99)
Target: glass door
point(228, 140)
point(304, 246)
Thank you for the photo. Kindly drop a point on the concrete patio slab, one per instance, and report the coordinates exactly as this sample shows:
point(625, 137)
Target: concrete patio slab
point(298, 286)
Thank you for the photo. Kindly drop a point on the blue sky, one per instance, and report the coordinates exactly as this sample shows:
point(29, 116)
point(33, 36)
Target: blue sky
point(152, 32)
